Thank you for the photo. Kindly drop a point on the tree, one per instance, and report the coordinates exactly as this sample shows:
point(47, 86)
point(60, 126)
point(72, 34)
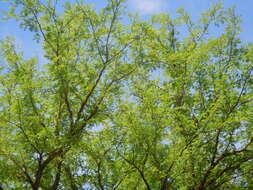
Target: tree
point(96, 116)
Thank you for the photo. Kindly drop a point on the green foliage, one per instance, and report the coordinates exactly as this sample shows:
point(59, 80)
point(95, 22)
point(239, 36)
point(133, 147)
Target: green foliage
point(161, 104)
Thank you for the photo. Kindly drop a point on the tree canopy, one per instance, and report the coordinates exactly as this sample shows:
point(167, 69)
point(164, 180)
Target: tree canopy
point(161, 104)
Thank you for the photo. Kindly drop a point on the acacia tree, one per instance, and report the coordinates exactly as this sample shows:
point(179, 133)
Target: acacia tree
point(191, 129)
point(45, 112)
point(96, 116)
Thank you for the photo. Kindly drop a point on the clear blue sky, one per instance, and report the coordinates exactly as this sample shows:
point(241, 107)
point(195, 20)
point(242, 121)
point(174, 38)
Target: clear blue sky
point(145, 8)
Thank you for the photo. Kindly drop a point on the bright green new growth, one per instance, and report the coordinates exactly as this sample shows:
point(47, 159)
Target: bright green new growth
point(97, 116)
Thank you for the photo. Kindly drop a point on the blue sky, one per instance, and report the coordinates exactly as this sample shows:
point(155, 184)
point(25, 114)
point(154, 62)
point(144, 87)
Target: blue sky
point(144, 8)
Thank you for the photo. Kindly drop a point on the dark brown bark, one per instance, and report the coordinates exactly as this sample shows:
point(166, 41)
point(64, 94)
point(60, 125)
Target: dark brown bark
point(42, 165)
point(57, 177)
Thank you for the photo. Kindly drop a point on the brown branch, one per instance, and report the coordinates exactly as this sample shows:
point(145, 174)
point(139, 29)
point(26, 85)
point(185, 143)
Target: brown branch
point(227, 169)
point(141, 172)
point(35, 109)
point(66, 99)
point(86, 99)
point(57, 177)
point(93, 32)
point(115, 11)
point(222, 157)
point(26, 176)
point(71, 178)
point(41, 29)
point(216, 146)
point(89, 94)
point(42, 165)
point(99, 175)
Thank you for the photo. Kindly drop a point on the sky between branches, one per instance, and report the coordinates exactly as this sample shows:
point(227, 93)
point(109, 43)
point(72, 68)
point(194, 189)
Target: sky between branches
point(145, 8)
